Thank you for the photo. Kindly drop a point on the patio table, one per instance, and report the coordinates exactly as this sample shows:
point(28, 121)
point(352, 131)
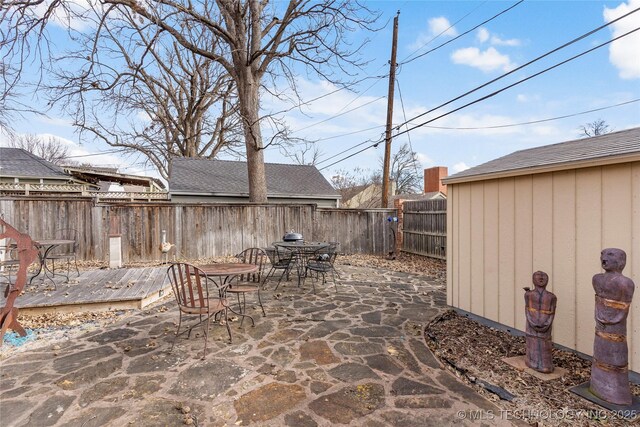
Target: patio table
point(45, 246)
point(225, 272)
point(302, 252)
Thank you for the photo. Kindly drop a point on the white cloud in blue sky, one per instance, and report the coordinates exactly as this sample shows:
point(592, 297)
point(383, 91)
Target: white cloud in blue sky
point(61, 16)
point(623, 53)
point(483, 35)
point(459, 167)
point(602, 78)
point(437, 27)
point(485, 60)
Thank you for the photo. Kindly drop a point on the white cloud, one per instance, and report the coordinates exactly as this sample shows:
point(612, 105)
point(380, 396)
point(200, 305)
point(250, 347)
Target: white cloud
point(74, 15)
point(459, 167)
point(437, 27)
point(495, 40)
point(424, 160)
point(483, 35)
point(524, 98)
point(623, 53)
point(488, 60)
point(442, 26)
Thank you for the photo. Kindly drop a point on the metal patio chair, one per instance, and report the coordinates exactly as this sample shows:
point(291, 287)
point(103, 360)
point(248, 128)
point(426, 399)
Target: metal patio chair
point(280, 259)
point(9, 261)
point(66, 253)
point(191, 288)
point(322, 263)
point(249, 283)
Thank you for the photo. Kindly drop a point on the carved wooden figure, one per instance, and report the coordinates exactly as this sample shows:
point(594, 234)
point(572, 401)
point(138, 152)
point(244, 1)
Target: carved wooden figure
point(609, 369)
point(27, 253)
point(540, 309)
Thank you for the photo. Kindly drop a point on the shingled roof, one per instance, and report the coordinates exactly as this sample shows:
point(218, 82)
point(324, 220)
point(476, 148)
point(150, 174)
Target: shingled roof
point(229, 178)
point(584, 152)
point(16, 162)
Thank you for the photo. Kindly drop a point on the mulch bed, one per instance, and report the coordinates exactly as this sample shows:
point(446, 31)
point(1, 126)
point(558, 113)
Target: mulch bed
point(474, 353)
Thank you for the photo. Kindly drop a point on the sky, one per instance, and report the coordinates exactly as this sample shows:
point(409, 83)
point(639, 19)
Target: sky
point(347, 123)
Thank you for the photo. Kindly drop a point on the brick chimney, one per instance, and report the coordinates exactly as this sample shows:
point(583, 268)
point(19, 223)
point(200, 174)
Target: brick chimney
point(433, 179)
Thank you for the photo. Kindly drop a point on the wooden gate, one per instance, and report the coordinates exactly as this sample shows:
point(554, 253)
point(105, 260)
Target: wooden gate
point(424, 228)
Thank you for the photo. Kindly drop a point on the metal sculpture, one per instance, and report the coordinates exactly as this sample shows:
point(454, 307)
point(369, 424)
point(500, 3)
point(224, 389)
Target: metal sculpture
point(540, 309)
point(609, 368)
point(27, 254)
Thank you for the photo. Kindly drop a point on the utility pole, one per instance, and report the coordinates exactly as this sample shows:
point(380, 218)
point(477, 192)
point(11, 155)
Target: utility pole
point(387, 139)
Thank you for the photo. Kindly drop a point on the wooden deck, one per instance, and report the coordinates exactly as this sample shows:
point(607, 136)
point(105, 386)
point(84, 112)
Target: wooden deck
point(98, 290)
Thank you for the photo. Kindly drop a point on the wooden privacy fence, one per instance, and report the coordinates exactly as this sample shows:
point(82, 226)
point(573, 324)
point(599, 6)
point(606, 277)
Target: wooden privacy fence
point(424, 228)
point(197, 230)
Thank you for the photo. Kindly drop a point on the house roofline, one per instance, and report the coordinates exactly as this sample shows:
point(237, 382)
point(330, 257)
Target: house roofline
point(282, 195)
point(556, 167)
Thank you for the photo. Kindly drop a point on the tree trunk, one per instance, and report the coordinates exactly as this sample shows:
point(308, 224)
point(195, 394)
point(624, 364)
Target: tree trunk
point(249, 107)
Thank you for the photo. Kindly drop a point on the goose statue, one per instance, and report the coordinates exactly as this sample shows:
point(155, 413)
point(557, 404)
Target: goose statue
point(165, 247)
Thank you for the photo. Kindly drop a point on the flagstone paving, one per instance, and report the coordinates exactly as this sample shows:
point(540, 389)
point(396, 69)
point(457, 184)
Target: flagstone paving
point(356, 357)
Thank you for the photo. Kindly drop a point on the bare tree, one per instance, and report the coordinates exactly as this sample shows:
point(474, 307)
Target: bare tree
point(307, 153)
point(259, 43)
point(594, 128)
point(139, 90)
point(350, 182)
point(51, 149)
point(405, 171)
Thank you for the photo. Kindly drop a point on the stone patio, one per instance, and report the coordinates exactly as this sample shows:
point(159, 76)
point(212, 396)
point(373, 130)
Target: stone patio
point(356, 357)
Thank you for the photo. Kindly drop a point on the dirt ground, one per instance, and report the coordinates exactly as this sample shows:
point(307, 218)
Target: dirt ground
point(474, 353)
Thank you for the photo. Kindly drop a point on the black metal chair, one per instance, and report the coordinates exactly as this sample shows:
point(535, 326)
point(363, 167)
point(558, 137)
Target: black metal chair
point(280, 259)
point(322, 263)
point(9, 261)
point(190, 287)
point(65, 252)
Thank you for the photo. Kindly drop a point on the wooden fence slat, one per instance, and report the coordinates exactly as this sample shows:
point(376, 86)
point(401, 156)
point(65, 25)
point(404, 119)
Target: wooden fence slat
point(197, 230)
point(424, 228)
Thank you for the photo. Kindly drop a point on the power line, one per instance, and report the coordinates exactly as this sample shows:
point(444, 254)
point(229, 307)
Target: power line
point(404, 114)
point(375, 144)
point(408, 61)
point(348, 133)
point(483, 98)
point(340, 114)
point(378, 78)
point(536, 121)
point(444, 31)
point(460, 35)
point(497, 78)
point(518, 82)
point(351, 155)
point(521, 67)
point(119, 150)
point(494, 127)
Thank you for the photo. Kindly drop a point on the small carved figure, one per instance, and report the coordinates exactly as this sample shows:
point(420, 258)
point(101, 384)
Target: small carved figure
point(540, 309)
point(609, 368)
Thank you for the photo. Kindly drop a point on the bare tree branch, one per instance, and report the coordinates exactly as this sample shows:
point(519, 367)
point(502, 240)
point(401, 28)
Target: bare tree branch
point(51, 149)
point(249, 39)
point(594, 128)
